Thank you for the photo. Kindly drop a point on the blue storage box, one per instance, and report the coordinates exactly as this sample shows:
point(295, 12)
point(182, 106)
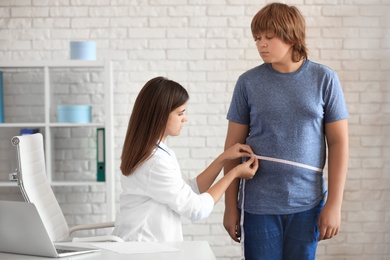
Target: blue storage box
point(83, 50)
point(74, 114)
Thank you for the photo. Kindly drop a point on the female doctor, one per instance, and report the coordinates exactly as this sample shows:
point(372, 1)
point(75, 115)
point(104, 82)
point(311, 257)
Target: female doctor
point(154, 195)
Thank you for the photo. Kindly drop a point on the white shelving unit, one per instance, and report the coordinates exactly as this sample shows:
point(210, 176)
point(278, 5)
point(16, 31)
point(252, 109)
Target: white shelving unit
point(50, 125)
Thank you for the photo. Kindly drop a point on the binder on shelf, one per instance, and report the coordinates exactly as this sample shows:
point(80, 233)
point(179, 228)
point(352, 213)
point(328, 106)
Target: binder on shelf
point(1, 99)
point(29, 131)
point(101, 154)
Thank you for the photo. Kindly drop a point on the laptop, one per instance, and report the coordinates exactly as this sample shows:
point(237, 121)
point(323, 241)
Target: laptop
point(22, 232)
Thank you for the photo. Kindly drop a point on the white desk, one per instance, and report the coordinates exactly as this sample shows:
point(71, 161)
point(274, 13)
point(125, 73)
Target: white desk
point(190, 250)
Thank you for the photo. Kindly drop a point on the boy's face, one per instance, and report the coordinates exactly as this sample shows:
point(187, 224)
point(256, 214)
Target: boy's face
point(272, 49)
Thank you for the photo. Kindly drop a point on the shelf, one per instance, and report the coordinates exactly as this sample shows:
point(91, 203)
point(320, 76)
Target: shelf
point(77, 183)
point(31, 125)
point(52, 64)
point(76, 125)
point(59, 183)
point(8, 184)
point(35, 88)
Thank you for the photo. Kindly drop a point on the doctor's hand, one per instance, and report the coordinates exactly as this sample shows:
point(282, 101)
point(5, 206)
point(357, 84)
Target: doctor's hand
point(247, 170)
point(237, 151)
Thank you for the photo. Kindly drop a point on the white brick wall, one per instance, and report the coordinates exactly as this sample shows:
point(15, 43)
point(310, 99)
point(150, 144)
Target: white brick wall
point(205, 45)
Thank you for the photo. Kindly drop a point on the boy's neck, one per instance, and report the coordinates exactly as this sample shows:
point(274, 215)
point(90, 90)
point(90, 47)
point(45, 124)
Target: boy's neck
point(287, 67)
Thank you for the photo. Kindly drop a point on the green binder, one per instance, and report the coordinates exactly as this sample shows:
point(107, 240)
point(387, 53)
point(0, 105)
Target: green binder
point(101, 154)
point(1, 99)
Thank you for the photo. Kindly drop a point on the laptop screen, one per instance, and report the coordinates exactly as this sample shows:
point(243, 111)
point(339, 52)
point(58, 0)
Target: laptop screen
point(22, 232)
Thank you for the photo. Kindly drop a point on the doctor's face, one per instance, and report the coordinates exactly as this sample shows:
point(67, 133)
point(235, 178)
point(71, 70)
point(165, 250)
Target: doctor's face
point(176, 120)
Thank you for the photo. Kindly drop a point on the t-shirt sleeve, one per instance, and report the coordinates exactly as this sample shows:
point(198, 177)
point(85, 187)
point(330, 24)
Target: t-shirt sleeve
point(335, 105)
point(166, 186)
point(239, 109)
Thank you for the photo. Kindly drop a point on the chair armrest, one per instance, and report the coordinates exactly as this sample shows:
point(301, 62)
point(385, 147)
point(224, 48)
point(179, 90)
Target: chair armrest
point(108, 238)
point(91, 226)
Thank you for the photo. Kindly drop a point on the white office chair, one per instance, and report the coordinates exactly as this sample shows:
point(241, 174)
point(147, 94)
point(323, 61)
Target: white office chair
point(35, 187)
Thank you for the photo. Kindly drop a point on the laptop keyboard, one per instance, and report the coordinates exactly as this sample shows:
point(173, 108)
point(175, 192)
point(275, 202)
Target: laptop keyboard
point(62, 251)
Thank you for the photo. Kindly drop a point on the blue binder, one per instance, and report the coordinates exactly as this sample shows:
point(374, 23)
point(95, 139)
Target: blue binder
point(29, 131)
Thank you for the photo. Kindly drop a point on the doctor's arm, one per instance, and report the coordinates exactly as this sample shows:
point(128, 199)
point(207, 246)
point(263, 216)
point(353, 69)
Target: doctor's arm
point(208, 176)
point(169, 188)
point(246, 170)
point(338, 152)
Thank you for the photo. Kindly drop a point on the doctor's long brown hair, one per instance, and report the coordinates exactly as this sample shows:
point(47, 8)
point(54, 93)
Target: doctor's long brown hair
point(148, 120)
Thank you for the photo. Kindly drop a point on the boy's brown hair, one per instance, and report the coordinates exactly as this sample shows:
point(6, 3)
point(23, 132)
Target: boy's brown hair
point(287, 23)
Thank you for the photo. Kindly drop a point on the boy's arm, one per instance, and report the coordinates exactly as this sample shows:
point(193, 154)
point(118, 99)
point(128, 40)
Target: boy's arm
point(237, 133)
point(338, 153)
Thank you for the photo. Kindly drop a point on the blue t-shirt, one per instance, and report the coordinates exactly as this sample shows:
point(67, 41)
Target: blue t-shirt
point(286, 114)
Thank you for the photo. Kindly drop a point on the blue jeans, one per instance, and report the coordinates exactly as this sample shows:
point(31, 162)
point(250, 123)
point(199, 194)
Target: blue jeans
point(277, 237)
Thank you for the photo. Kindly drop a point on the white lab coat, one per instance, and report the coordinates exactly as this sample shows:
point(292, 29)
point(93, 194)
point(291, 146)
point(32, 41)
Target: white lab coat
point(155, 196)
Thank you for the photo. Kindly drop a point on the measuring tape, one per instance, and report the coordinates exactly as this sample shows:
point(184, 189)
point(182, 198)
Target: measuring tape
point(271, 159)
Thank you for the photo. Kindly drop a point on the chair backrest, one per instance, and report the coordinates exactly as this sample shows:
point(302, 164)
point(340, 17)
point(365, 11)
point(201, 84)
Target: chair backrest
point(33, 182)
